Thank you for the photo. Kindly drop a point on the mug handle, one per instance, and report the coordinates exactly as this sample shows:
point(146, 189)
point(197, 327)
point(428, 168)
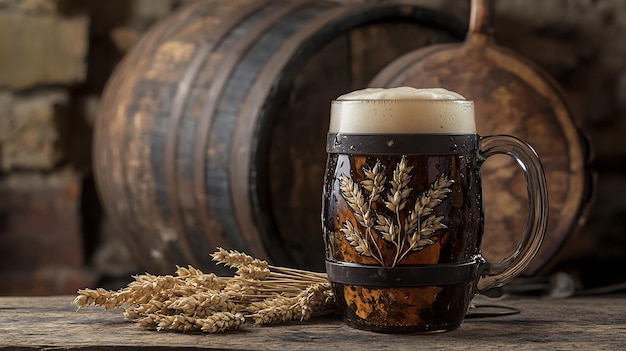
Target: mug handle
point(494, 275)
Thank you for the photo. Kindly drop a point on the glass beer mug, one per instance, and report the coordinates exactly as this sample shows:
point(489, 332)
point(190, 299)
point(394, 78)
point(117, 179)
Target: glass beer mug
point(403, 212)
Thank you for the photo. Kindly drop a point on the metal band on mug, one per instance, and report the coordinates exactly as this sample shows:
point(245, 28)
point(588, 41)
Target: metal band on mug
point(401, 144)
point(404, 276)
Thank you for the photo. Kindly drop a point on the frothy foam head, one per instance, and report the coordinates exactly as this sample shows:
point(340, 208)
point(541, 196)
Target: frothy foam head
point(402, 110)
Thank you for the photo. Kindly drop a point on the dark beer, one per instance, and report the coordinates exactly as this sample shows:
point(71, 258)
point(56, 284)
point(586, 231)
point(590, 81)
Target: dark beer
point(447, 231)
point(402, 213)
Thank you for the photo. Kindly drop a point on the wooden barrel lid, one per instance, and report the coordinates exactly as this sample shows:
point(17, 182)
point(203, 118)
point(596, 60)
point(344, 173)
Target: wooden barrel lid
point(512, 96)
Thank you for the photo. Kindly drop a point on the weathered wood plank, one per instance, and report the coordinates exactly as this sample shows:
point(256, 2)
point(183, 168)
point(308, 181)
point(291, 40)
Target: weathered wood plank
point(49, 323)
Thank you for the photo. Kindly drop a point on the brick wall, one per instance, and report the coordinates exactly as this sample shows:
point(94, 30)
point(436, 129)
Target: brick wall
point(42, 56)
point(56, 56)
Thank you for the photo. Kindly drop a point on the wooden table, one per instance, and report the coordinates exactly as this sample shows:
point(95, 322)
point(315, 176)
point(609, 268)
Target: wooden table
point(52, 323)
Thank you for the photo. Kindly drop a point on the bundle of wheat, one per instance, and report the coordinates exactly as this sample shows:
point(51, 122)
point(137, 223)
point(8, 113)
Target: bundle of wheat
point(193, 300)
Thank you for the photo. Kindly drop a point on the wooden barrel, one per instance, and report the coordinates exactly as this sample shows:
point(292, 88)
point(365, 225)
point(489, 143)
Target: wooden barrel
point(211, 130)
point(511, 96)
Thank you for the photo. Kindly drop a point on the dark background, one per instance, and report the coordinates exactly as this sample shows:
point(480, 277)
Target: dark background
point(56, 56)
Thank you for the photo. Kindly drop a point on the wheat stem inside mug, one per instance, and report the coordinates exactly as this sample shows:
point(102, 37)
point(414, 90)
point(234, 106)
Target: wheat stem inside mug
point(371, 237)
point(419, 225)
point(372, 185)
point(360, 241)
point(401, 239)
point(401, 180)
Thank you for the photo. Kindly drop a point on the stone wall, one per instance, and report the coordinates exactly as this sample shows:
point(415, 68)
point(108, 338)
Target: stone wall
point(42, 57)
point(56, 56)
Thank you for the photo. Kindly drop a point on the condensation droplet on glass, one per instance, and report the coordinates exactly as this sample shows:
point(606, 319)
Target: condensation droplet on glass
point(337, 141)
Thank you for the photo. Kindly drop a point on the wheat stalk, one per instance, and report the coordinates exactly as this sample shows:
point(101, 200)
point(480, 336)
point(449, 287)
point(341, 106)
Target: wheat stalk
point(355, 239)
point(237, 259)
point(399, 192)
point(218, 322)
point(355, 199)
point(195, 301)
point(424, 206)
point(362, 212)
point(312, 298)
point(281, 310)
point(397, 198)
point(427, 202)
point(388, 230)
point(374, 181)
point(418, 233)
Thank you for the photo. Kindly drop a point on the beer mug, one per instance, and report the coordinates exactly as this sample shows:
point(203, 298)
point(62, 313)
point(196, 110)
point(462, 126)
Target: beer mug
point(403, 212)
